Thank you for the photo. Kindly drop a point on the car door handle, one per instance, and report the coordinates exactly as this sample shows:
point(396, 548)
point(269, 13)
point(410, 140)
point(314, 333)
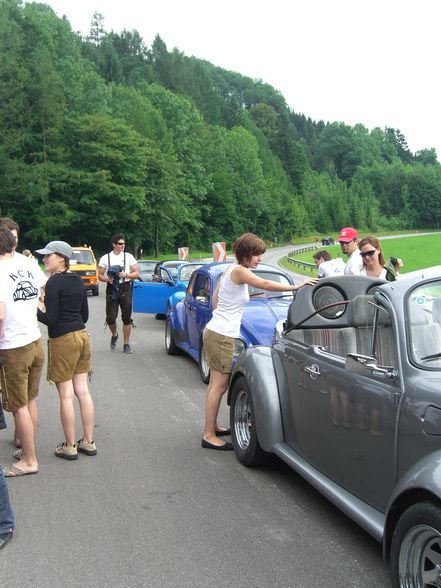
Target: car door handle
point(313, 371)
point(135, 285)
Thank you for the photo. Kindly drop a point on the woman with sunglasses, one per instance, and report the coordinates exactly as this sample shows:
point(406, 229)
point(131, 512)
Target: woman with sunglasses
point(373, 260)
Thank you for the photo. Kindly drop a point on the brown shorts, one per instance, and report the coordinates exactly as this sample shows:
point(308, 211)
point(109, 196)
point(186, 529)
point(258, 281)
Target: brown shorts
point(124, 301)
point(219, 350)
point(68, 355)
point(20, 374)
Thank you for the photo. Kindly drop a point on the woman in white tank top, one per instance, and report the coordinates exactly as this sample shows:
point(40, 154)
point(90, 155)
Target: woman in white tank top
point(220, 333)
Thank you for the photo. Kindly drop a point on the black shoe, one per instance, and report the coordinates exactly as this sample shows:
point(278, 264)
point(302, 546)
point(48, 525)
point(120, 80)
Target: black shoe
point(225, 447)
point(127, 348)
point(223, 433)
point(4, 538)
point(113, 341)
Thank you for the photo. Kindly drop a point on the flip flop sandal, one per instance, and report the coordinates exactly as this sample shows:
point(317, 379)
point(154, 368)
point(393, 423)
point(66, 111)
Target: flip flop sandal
point(15, 472)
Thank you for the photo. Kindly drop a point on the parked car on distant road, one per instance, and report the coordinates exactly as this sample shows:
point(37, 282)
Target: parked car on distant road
point(328, 241)
point(157, 297)
point(171, 265)
point(349, 396)
point(189, 315)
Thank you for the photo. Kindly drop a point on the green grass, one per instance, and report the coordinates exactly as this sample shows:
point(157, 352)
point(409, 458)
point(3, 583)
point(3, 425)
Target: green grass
point(416, 253)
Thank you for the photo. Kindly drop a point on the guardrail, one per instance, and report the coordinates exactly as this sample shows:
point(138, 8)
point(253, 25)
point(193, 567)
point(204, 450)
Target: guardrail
point(303, 264)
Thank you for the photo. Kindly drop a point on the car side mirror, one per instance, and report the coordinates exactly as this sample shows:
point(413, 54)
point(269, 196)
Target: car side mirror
point(367, 365)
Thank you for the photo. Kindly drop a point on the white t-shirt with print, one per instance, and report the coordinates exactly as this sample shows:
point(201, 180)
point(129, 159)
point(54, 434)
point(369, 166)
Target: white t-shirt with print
point(20, 282)
point(333, 267)
point(118, 260)
point(354, 264)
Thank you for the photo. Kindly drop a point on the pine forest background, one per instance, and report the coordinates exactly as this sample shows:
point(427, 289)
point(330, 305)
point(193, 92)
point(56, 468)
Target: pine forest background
point(104, 134)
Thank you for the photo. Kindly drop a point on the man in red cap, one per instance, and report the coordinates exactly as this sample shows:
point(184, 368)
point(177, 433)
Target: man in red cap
point(348, 240)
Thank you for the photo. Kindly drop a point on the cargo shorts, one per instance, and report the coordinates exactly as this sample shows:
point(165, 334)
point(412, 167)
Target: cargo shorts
point(20, 374)
point(219, 350)
point(68, 355)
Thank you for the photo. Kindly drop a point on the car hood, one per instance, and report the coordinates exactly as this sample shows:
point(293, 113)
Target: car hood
point(260, 317)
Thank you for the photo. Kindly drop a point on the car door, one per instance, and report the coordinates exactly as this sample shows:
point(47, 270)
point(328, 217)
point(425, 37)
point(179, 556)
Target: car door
point(349, 422)
point(152, 297)
point(197, 309)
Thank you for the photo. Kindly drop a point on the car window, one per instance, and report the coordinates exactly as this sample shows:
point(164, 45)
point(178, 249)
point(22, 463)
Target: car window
point(187, 271)
point(146, 266)
point(275, 277)
point(202, 289)
point(424, 325)
point(82, 257)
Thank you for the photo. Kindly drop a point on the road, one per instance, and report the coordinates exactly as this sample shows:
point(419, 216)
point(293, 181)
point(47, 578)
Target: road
point(154, 508)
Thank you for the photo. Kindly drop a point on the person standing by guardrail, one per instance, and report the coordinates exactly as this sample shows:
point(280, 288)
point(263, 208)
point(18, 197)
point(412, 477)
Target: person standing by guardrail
point(348, 240)
point(326, 266)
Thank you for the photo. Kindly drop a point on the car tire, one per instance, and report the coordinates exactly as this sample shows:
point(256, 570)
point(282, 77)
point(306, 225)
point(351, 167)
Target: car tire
point(416, 546)
point(204, 368)
point(95, 291)
point(170, 341)
point(243, 426)
point(160, 317)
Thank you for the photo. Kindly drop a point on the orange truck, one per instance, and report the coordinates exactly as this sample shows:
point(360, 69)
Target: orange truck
point(84, 264)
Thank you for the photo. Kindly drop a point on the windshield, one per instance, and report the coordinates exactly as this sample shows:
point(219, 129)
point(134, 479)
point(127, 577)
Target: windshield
point(187, 271)
point(275, 277)
point(146, 266)
point(424, 311)
point(82, 257)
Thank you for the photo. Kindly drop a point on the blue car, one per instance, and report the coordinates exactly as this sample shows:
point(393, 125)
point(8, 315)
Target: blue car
point(187, 317)
point(157, 297)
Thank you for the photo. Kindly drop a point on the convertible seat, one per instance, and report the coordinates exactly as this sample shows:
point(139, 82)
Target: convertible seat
point(357, 338)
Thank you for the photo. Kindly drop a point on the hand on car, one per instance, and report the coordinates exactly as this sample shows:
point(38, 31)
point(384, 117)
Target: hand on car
point(307, 282)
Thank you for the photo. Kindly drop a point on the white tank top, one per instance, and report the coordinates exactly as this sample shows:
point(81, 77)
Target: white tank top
point(231, 300)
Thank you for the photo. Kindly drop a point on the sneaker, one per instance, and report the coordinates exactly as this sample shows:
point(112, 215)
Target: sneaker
point(113, 340)
point(127, 348)
point(87, 448)
point(66, 451)
point(4, 538)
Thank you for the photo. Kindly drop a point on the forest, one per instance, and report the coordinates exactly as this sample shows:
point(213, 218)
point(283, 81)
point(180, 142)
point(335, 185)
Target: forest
point(105, 133)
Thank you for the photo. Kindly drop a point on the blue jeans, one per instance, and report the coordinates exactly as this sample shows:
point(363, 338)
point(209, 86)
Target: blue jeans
point(7, 522)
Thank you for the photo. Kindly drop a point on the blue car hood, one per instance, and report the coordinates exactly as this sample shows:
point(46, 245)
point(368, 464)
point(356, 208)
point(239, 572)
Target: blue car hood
point(260, 317)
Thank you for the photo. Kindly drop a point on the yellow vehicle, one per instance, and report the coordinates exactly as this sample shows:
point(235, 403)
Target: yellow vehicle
point(84, 264)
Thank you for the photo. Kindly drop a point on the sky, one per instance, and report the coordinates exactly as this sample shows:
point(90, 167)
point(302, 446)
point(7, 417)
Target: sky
point(373, 62)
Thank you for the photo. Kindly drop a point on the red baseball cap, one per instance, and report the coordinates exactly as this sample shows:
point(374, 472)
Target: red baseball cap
point(347, 234)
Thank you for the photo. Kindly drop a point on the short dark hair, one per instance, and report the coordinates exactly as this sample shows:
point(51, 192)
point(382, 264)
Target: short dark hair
point(7, 241)
point(9, 224)
point(117, 237)
point(248, 245)
point(323, 255)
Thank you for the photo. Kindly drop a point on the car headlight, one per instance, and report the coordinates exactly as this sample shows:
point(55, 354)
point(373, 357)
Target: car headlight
point(90, 273)
point(239, 346)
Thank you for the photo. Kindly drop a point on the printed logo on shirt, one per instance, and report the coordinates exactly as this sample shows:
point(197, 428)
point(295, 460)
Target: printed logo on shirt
point(25, 291)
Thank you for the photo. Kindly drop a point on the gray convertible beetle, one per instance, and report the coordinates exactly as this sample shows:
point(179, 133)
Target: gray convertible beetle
point(349, 396)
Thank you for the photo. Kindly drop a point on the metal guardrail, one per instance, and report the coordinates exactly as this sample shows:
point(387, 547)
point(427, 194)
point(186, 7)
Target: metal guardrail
point(303, 264)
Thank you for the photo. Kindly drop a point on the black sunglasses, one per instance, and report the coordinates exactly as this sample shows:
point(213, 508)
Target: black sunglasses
point(118, 243)
point(368, 253)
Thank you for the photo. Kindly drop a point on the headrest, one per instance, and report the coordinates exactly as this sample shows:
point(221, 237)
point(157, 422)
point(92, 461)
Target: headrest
point(361, 312)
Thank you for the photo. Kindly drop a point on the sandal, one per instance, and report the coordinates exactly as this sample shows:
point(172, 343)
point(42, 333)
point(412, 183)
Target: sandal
point(15, 472)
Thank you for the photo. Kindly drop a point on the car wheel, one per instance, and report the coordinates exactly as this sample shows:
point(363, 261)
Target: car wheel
point(170, 345)
point(416, 547)
point(204, 368)
point(243, 425)
point(95, 291)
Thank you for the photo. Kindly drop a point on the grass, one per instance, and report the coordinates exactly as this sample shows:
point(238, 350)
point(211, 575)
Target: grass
point(416, 252)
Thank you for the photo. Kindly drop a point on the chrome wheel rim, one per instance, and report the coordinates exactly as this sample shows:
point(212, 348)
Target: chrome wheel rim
point(242, 420)
point(420, 558)
point(205, 368)
point(167, 335)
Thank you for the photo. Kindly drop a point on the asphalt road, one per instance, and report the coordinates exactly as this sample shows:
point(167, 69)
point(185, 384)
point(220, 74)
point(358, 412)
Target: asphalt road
point(154, 508)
